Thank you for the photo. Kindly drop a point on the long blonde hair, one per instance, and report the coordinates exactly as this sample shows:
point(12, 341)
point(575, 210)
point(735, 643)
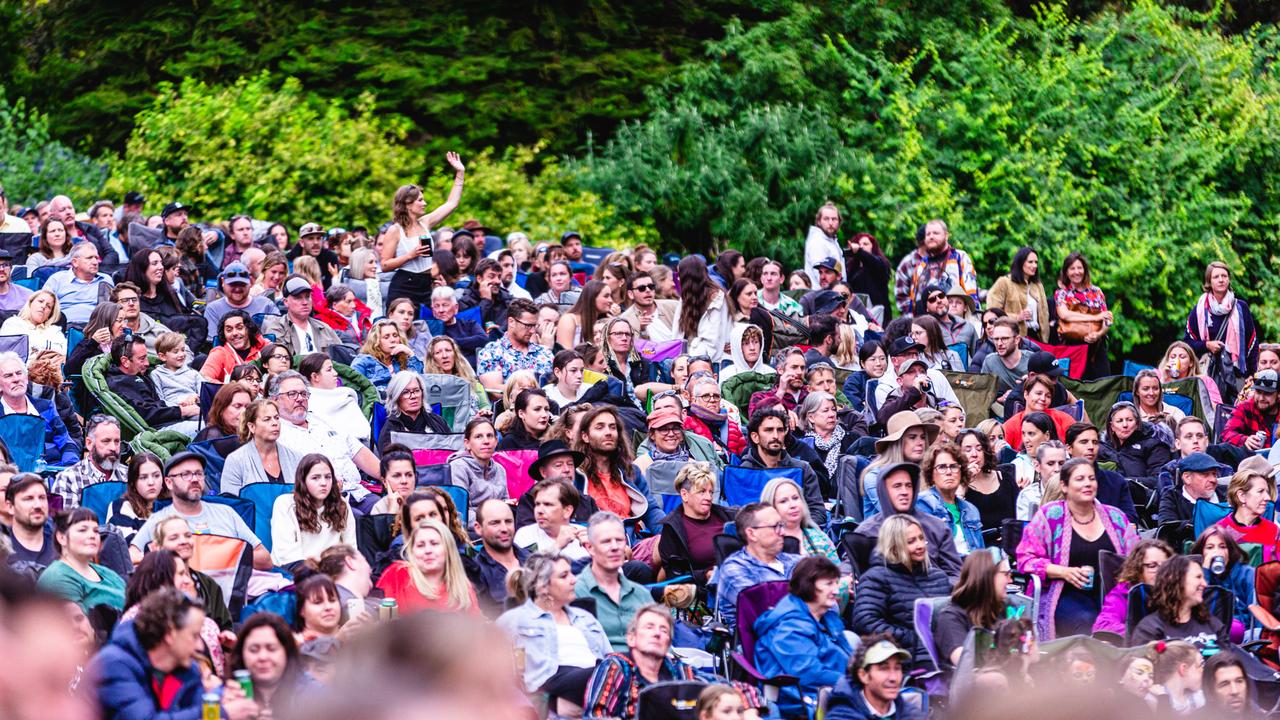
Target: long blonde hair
point(373, 347)
point(461, 367)
point(54, 313)
point(846, 352)
point(456, 584)
point(309, 268)
point(892, 541)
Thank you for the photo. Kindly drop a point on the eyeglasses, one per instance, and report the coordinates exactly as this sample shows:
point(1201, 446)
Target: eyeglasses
point(128, 300)
point(235, 274)
point(947, 467)
point(411, 392)
point(6, 265)
point(296, 394)
point(620, 334)
point(669, 430)
point(708, 397)
point(777, 527)
point(643, 288)
point(934, 298)
point(188, 475)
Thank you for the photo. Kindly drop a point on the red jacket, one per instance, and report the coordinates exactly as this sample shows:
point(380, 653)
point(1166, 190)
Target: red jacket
point(322, 312)
point(1246, 420)
point(737, 442)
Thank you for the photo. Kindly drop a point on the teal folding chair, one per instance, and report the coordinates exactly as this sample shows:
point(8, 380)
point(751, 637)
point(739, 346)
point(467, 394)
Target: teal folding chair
point(24, 436)
point(99, 496)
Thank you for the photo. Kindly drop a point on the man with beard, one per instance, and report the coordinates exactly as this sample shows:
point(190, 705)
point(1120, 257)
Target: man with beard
point(184, 479)
point(235, 281)
point(789, 392)
point(101, 462)
point(533, 415)
point(934, 261)
point(617, 597)
point(768, 432)
point(31, 535)
point(498, 555)
point(822, 242)
point(612, 478)
point(656, 319)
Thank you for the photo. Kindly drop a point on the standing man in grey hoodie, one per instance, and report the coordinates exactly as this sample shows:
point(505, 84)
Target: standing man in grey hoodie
point(821, 242)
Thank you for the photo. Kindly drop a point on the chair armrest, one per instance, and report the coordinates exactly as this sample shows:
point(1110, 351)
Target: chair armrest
point(757, 676)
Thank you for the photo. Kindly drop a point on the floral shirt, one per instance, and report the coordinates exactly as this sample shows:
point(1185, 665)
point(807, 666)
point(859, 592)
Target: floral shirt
point(502, 357)
point(1090, 297)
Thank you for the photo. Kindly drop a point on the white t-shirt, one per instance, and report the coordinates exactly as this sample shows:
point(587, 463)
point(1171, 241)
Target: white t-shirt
point(339, 447)
point(572, 648)
point(532, 536)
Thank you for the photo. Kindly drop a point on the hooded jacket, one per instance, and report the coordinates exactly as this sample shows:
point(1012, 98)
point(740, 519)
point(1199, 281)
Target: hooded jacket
point(791, 641)
point(481, 482)
point(124, 682)
point(700, 450)
point(1142, 455)
point(812, 486)
point(740, 360)
point(942, 546)
point(970, 520)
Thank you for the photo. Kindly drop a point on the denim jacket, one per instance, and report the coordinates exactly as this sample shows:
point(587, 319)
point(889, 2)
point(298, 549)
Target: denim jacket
point(534, 631)
point(970, 520)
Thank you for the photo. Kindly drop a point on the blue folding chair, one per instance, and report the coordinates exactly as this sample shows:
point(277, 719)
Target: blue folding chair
point(18, 344)
point(461, 501)
point(29, 283)
point(99, 496)
point(263, 496)
point(24, 436)
point(74, 336)
point(1208, 513)
point(743, 485)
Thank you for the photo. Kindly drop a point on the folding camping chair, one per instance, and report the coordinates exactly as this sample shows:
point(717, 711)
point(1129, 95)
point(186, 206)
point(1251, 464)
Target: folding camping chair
point(743, 485)
point(670, 700)
point(752, 603)
point(24, 436)
point(99, 496)
point(263, 495)
point(449, 397)
point(229, 562)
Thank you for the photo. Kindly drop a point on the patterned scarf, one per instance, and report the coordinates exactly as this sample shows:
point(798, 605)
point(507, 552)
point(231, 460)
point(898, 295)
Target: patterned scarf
point(1234, 338)
point(828, 449)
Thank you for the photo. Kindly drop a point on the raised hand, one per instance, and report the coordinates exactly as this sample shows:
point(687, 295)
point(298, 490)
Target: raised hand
point(454, 161)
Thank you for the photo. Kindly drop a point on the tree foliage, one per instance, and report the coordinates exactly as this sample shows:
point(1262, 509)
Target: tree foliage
point(34, 166)
point(1143, 138)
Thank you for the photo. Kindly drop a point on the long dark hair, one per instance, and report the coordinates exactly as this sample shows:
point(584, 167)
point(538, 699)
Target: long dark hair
point(875, 244)
point(136, 273)
point(1015, 269)
point(585, 308)
point(156, 571)
point(696, 291)
point(724, 265)
point(975, 590)
point(988, 453)
point(141, 506)
point(333, 509)
point(251, 327)
point(735, 289)
point(932, 331)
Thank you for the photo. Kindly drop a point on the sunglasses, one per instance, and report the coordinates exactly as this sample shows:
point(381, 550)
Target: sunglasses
point(643, 288)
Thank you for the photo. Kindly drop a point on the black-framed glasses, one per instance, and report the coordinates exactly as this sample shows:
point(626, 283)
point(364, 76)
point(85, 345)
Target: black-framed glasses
point(127, 300)
point(669, 429)
point(777, 527)
point(521, 322)
point(188, 475)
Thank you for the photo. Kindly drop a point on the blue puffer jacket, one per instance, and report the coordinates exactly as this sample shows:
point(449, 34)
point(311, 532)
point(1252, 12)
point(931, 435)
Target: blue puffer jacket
point(124, 675)
point(970, 519)
point(1239, 580)
point(59, 447)
point(886, 602)
point(792, 642)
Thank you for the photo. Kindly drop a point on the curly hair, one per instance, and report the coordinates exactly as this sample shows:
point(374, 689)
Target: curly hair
point(1168, 593)
point(332, 510)
point(930, 461)
point(1131, 571)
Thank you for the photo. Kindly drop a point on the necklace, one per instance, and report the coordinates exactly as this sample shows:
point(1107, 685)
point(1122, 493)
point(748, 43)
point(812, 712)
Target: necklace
point(1092, 517)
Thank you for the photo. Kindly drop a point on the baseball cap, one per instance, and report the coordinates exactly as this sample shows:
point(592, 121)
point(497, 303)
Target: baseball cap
point(310, 229)
point(881, 652)
point(235, 273)
point(904, 345)
point(22, 212)
point(664, 417)
point(174, 207)
point(6, 255)
point(296, 286)
point(1266, 381)
point(569, 234)
point(1198, 462)
point(1044, 363)
point(133, 197)
point(828, 263)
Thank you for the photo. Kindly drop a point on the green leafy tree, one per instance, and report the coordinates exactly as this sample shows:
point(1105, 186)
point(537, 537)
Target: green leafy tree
point(34, 166)
point(268, 149)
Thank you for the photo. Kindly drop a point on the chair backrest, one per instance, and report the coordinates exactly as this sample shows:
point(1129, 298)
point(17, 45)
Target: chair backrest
point(431, 474)
point(374, 536)
point(461, 501)
point(961, 350)
point(1208, 513)
point(725, 546)
point(848, 482)
point(1137, 609)
point(516, 464)
point(1220, 417)
point(243, 508)
point(923, 618)
point(858, 549)
point(18, 344)
point(263, 496)
point(207, 391)
point(429, 448)
point(1011, 535)
point(449, 397)
point(1266, 580)
point(670, 700)
point(1182, 402)
point(752, 603)
point(1108, 568)
point(1075, 410)
point(1222, 603)
point(24, 436)
point(99, 496)
point(1132, 368)
point(743, 485)
point(229, 562)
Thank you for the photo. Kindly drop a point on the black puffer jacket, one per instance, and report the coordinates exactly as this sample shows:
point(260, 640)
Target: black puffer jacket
point(886, 601)
point(1142, 455)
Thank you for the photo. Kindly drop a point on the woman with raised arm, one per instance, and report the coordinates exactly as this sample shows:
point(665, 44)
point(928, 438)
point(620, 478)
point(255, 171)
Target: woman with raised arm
point(407, 246)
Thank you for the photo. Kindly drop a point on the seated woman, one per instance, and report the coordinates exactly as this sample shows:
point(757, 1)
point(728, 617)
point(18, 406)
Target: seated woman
point(785, 497)
point(746, 350)
point(886, 595)
point(1248, 493)
point(337, 404)
point(1036, 429)
point(406, 411)
point(313, 517)
point(946, 478)
point(54, 247)
point(275, 359)
point(504, 412)
point(993, 492)
point(343, 312)
point(240, 341)
point(1061, 545)
point(261, 458)
point(639, 377)
point(1226, 565)
point(978, 600)
point(819, 420)
point(164, 569)
point(1180, 610)
point(225, 411)
point(104, 326)
point(686, 545)
point(1038, 391)
point(430, 577)
point(578, 323)
point(319, 607)
point(561, 644)
point(399, 478)
point(1139, 568)
point(1180, 362)
point(267, 649)
point(567, 388)
point(160, 301)
point(705, 418)
point(38, 320)
point(1133, 445)
point(145, 484)
point(74, 575)
point(444, 357)
point(803, 636)
point(1148, 395)
point(404, 314)
point(385, 352)
point(473, 467)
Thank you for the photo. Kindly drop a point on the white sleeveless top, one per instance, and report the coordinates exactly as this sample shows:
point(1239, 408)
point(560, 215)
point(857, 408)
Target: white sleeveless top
point(407, 245)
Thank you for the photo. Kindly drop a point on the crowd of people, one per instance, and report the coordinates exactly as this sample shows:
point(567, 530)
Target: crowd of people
point(558, 481)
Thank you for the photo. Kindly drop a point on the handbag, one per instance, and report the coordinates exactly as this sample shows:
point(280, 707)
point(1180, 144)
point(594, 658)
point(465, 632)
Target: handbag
point(1078, 330)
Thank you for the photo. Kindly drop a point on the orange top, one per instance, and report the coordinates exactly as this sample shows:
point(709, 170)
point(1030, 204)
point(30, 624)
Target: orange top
point(397, 584)
point(610, 495)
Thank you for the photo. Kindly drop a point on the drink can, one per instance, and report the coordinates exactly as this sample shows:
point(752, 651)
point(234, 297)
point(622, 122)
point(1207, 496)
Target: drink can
point(210, 707)
point(1218, 565)
point(1088, 583)
point(246, 682)
point(388, 610)
point(355, 608)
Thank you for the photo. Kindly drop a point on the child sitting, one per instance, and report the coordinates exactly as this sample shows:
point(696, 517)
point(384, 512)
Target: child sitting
point(176, 382)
